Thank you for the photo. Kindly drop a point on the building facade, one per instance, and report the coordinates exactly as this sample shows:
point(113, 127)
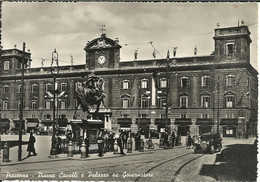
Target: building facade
point(201, 93)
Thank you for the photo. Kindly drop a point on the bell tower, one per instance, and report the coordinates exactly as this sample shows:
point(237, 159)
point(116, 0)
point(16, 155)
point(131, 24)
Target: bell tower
point(232, 44)
point(102, 52)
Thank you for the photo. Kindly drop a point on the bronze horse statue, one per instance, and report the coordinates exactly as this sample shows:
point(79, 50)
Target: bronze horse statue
point(89, 94)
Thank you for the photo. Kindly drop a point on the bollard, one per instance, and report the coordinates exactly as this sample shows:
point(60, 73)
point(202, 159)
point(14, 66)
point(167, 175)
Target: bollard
point(62, 146)
point(66, 146)
point(83, 150)
point(141, 149)
point(70, 149)
point(161, 143)
point(6, 153)
point(115, 147)
point(129, 145)
point(170, 143)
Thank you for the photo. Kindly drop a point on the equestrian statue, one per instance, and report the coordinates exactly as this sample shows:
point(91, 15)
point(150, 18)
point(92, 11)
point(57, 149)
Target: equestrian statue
point(90, 93)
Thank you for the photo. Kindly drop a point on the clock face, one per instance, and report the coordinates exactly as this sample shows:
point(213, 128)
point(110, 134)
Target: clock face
point(101, 59)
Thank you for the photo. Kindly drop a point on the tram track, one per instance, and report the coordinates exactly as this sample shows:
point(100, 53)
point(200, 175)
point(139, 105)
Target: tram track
point(169, 160)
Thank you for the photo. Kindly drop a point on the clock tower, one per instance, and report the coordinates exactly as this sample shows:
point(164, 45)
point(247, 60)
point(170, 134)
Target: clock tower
point(102, 53)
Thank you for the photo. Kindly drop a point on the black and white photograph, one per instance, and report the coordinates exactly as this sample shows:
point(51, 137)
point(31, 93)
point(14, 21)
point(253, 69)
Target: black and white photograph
point(128, 91)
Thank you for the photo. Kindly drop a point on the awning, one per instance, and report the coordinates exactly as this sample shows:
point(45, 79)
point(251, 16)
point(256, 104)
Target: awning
point(162, 121)
point(32, 119)
point(124, 121)
point(181, 121)
point(5, 120)
point(229, 121)
point(63, 122)
point(18, 120)
point(201, 121)
point(31, 124)
point(47, 122)
point(143, 121)
point(95, 121)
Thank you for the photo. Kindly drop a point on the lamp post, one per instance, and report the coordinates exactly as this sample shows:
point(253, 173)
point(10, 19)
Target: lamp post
point(218, 107)
point(54, 71)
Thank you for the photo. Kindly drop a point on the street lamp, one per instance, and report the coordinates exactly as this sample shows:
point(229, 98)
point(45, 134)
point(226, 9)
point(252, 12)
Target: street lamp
point(54, 71)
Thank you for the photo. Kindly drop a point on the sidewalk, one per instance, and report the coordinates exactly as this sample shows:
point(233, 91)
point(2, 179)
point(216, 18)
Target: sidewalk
point(44, 156)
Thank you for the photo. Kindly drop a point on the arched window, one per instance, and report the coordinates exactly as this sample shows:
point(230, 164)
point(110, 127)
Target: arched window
point(6, 65)
point(205, 81)
point(162, 83)
point(230, 100)
point(34, 88)
point(34, 104)
point(144, 83)
point(48, 87)
point(63, 86)
point(125, 101)
point(184, 100)
point(205, 101)
point(19, 88)
point(144, 100)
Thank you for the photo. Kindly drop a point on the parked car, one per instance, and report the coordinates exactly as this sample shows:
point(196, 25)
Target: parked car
point(208, 143)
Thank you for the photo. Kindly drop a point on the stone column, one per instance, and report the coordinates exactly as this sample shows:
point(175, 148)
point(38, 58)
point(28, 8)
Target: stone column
point(27, 96)
point(71, 93)
point(174, 91)
point(41, 95)
point(135, 92)
point(12, 95)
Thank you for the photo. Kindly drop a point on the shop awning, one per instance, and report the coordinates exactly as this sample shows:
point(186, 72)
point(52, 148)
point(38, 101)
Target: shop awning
point(201, 121)
point(18, 120)
point(95, 121)
point(5, 120)
point(162, 121)
point(181, 121)
point(124, 122)
point(31, 124)
point(47, 122)
point(229, 121)
point(144, 121)
point(32, 119)
point(63, 122)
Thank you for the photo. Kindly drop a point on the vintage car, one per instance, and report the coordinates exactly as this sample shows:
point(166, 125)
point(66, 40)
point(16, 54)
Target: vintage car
point(208, 143)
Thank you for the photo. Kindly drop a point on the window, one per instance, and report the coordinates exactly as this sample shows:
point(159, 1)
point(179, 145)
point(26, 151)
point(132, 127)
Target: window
point(5, 105)
point(229, 131)
point(230, 100)
point(48, 87)
point(230, 49)
point(163, 116)
point(230, 80)
point(144, 83)
point(6, 65)
point(184, 82)
point(144, 102)
point(161, 102)
point(63, 86)
point(205, 81)
point(205, 101)
point(125, 84)
point(144, 115)
point(163, 83)
point(229, 115)
point(183, 101)
point(34, 104)
point(125, 116)
point(63, 104)
point(19, 88)
point(183, 116)
point(34, 88)
point(47, 104)
point(125, 102)
point(6, 89)
point(204, 116)
point(47, 116)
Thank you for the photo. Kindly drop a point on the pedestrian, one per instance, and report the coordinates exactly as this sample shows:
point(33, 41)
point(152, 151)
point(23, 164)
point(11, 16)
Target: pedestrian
point(125, 140)
point(30, 147)
point(138, 140)
point(166, 145)
point(173, 139)
point(58, 144)
point(119, 143)
point(100, 144)
point(87, 146)
point(188, 140)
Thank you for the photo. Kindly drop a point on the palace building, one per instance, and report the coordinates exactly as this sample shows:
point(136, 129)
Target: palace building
point(197, 94)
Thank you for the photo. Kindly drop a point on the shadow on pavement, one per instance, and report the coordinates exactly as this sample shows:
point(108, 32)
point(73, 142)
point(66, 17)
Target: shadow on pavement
point(235, 162)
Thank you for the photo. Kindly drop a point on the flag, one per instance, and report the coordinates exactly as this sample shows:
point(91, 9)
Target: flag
point(154, 54)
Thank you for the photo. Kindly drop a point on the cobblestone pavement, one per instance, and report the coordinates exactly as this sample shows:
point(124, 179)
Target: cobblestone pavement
point(177, 164)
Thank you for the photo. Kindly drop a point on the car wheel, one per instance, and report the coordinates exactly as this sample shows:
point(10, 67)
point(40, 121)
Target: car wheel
point(212, 149)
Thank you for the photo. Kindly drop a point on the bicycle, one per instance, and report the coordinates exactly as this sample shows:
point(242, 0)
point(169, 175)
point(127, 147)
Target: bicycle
point(149, 144)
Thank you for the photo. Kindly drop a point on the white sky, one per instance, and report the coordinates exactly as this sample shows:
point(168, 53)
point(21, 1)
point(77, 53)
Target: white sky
point(68, 26)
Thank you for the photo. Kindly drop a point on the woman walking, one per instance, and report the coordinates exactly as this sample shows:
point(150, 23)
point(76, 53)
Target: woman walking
point(30, 147)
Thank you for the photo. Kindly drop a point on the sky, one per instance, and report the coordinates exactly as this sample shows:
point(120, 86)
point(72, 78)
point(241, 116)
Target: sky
point(67, 27)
